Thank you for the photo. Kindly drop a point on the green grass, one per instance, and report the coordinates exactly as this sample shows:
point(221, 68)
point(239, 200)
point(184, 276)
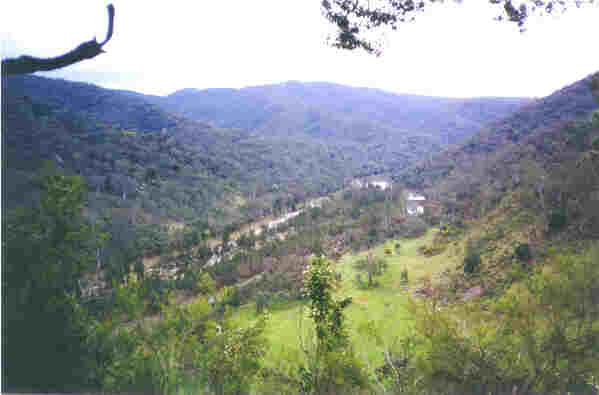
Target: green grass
point(385, 305)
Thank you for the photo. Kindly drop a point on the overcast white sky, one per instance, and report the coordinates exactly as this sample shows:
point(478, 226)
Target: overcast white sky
point(159, 47)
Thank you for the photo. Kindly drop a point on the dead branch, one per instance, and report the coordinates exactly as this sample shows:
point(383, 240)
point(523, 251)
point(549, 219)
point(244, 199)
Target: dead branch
point(28, 64)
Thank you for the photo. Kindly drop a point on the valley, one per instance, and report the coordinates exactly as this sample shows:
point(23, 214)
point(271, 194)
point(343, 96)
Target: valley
point(302, 238)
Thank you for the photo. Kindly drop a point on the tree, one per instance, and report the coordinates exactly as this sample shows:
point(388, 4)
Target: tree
point(372, 267)
point(331, 363)
point(90, 49)
point(354, 18)
point(46, 251)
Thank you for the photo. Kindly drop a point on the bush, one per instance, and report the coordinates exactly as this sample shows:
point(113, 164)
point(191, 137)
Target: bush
point(472, 263)
point(261, 302)
point(359, 282)
point(372, 268)
point(523, 252)
point(231, 297)
point(557, 220)
point(404, 277)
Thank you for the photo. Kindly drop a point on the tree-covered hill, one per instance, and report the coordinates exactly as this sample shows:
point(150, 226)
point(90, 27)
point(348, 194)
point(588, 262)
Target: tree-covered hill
point(133, 153)
point(223, 152)
point(569, 103)
point(388, 130)
point(326, 110)
point(546, 152)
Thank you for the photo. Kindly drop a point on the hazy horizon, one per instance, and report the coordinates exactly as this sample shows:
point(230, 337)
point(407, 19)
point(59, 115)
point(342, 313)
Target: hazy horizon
point(455, 51)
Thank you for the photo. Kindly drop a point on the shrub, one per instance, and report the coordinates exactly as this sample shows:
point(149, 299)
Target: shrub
point(359, 283)
point(231, 297)
point(472, 263)
point(372, 268)
point(404, 277)
point(523, 252)
point(262, 302)
point(557, 220)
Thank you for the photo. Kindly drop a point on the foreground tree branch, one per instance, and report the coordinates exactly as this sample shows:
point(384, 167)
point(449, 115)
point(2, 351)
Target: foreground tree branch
point(354, 19)
point(28, 64)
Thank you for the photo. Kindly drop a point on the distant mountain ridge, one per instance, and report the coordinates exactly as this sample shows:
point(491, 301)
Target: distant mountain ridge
point(326, 110)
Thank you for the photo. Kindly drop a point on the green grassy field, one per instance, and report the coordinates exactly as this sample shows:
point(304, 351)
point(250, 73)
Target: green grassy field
point(385, 305)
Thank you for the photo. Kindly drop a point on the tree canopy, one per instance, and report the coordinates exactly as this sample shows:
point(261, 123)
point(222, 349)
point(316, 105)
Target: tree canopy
point(354, 18)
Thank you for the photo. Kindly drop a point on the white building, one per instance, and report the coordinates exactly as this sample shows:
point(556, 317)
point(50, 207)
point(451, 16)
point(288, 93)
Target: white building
point(380, 184)
point(413, 206)
point(415, 209)
point(414, 196)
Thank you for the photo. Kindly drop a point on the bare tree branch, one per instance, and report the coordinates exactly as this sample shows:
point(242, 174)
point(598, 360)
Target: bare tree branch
point(28, 64)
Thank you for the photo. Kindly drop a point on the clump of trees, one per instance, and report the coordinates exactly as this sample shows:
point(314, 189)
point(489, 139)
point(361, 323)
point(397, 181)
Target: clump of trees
point(372, 268)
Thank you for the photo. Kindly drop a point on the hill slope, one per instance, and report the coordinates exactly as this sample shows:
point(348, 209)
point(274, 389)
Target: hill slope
point(570, 103)
point(381, 129)
point(132, 152)
point(545, 153)
point(326, 110)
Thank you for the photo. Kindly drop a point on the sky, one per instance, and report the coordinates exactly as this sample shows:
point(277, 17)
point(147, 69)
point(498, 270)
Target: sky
point(159, 47)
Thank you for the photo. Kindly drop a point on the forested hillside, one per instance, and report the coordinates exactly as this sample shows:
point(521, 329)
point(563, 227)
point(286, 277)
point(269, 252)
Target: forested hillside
point(133, 153)
point(384, 131)
point(288, 141)
point(325, 110)
point(529, 123)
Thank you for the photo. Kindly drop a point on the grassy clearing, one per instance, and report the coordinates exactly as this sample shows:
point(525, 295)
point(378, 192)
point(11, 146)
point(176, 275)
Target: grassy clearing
point(385, 305)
